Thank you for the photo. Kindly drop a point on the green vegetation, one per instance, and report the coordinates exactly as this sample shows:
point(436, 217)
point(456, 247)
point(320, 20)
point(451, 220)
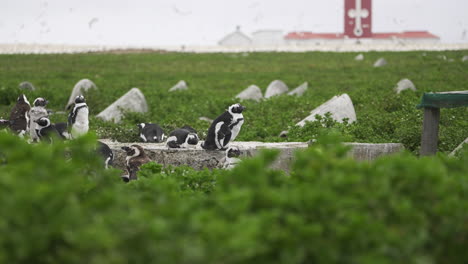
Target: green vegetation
point(214, 79)
point(330, 209)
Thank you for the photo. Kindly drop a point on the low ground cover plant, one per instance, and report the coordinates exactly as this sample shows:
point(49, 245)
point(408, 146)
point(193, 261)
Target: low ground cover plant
point(214, 79)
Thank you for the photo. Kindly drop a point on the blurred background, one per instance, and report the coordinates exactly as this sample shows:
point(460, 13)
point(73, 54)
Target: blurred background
point(209, 22)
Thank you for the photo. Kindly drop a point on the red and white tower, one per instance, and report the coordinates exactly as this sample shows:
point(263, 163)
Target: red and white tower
point(358, 18)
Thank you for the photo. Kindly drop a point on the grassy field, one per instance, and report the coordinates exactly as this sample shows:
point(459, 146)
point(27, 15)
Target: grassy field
point(214, 80)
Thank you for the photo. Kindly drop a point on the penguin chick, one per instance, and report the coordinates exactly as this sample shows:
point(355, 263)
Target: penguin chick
point(37, 111)
point(151, 132)
point(46, 131)
point(232, 158)
point(19, 116)
point(105, 151)
point(78, 122)
point(224, 128)
point(182, 138)
point(135, 158)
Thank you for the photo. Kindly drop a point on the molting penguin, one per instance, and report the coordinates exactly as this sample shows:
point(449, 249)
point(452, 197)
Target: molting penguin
point(224, 128)
point(19, 116)
point(37, 111)
point(231, 159)
point(105, 151)
point(151, 132)
point(78, 122)
point(46, 131)
point(135, 158)
point(182, 138)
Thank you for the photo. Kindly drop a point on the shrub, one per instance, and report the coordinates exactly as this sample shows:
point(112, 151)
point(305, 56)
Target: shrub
point(329, 209)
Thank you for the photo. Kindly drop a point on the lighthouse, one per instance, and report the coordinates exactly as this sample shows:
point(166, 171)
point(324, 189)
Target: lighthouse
point(358, 18)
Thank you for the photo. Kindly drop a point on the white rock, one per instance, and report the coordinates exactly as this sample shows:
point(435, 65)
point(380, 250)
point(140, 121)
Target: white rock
point(299, 90)
point(454, 152)
point(27, 86)
point(465, 58)
point(359, 57)
point(276, 87)
point(380, 62)
point(404, 84)
point(340, 107)
point(251, 93)
point(132, 101)
point(181, 85)
point(284, 133)
point(204, 118)
point(80, 87)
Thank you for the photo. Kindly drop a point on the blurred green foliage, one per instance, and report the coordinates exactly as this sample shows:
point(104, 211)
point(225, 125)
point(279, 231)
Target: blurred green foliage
point(214, 79)
point(59, 206)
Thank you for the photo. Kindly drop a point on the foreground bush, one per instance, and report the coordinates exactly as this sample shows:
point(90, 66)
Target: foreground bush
point(329, 209)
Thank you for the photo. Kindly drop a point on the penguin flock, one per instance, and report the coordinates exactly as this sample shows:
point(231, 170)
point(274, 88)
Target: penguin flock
point(33, 121)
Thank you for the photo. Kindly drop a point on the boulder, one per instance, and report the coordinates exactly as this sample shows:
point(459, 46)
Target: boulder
point(465, 58)
point(359, 57)
point(276, 87)
point(380, 62)
point(27, 86)
point(181, 85)
point(340, 107)
point(454, 152)
point(80, 88)
point(404, 84)
point(251, 93)
point(283, 134)
point(132, 101)
point(206, 119)
point(299, 90)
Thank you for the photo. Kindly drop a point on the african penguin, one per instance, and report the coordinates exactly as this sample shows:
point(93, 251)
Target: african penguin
point(151, 132)
point(78, 122)
point(135, 158)
point(62, 129)
point(19, 116)
point(231, 159)
point(46, 131)
point(105, 151)
point(37, 111)
point(224, 128)
point(182, 138)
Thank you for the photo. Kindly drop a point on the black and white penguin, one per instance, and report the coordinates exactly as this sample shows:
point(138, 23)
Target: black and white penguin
point(19, 116)
point(47, 131)
point(224, 128)
point(136, 157)
point(62, 129)
point(232, 158)
point(182, 138)
point(151, 132)
point(106, 152)
point(37, 111)
point(78, 122)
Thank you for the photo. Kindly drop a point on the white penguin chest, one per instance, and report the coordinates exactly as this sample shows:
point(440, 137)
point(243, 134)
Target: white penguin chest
point(81, 124)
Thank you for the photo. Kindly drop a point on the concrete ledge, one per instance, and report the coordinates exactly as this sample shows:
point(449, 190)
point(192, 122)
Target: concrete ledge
point(199, 158)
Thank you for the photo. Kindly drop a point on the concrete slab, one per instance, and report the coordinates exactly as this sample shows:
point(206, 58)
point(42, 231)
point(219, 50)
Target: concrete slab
point(199, 158)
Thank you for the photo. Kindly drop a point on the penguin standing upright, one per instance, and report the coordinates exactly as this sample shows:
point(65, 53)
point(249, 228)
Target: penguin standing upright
point(19, 116)
point(136, 157)
point(151, 132)
point(182, 138)
point(37, 111)
point(224, 128)
point(78, 122)
point(46, 131)
point(232, 158)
